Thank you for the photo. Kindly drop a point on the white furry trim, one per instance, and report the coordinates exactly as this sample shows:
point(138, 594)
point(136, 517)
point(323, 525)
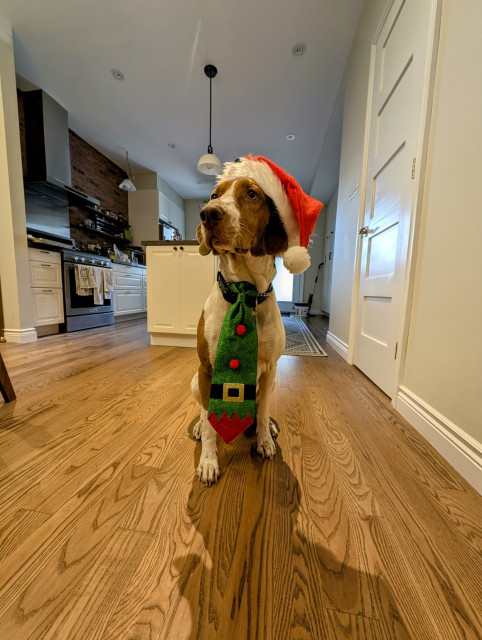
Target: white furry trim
point(296, 259)
point(262, 174)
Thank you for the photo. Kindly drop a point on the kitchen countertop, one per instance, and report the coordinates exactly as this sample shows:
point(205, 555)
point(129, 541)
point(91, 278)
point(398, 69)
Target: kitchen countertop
point(163, 243)
point(129, 264)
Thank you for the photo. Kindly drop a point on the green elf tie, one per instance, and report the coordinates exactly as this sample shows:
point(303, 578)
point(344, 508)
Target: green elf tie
point(232, 400)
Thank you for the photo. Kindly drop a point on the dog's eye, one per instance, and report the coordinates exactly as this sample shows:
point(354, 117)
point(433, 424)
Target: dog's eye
point(214, 196)
point(252, 194)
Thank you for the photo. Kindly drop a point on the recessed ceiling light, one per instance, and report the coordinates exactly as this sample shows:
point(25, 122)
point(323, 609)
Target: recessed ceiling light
point(171, 145)
point(117, 74)
point(290, 136)
point(298, 49)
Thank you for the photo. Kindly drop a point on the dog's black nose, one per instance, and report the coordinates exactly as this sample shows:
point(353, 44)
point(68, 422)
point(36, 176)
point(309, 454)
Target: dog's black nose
point(211, 214)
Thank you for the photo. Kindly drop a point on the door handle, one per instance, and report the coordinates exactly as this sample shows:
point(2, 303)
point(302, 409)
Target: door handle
point(364, 231)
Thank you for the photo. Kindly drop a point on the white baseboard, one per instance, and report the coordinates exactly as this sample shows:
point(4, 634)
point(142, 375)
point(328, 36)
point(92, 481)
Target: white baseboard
point(462, 451)
point(338, 345)
point(20, 335)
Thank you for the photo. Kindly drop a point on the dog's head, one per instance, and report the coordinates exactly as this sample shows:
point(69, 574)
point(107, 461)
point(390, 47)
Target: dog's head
point(238, 218)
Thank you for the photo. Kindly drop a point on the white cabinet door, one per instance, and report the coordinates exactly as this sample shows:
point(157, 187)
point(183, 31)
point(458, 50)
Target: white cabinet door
point(48, 305)
point(163, 290)
point(45, 274)
point(128, 301)
point(197, 274)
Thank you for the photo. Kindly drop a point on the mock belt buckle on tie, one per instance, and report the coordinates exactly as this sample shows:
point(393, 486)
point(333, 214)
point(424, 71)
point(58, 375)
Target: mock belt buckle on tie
point(233, 392)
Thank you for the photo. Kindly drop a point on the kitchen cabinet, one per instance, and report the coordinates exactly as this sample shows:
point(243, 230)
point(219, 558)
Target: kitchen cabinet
point(179, 280)
point(148, 208)
point(129, 291)
point(46, 288)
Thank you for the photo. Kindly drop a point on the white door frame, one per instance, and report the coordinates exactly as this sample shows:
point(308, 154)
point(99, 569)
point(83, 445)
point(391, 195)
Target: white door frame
point(417, 198)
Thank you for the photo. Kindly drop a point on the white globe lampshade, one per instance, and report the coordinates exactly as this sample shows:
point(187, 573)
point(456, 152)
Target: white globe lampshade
point(209, 164)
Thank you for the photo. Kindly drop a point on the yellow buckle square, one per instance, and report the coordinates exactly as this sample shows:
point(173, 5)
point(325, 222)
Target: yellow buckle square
point(227, 386)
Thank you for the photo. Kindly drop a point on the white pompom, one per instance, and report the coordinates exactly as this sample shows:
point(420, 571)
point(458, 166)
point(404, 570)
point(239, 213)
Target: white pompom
point(296, 259)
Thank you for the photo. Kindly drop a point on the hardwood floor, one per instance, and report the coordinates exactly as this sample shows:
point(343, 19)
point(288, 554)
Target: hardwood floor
point(357, 528)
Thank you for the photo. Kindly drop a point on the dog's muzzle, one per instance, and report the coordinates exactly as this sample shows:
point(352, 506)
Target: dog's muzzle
point(211, 215)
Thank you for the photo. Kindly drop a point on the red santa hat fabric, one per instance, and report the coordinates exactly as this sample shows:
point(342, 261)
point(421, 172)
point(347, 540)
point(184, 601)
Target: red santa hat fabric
point(298, 211)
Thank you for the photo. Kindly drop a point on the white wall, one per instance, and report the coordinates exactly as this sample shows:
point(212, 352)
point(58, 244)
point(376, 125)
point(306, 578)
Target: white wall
point(315, 249)
point(441, 387)
point(326, 275)
point(14, 267)
point(191, 210)
point(355, 89)
point(444, 354)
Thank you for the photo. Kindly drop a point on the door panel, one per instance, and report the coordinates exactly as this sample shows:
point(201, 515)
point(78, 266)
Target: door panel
point(162, 290)
point(197, 274)
point(399, 68)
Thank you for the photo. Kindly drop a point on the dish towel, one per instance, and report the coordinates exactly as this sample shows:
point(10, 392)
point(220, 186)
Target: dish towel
point(232, 399)
point(82, 283)
point(108, 280)
point(96, 283)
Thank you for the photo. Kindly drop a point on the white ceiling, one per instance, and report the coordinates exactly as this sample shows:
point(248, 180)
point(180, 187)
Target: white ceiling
point(261, 93)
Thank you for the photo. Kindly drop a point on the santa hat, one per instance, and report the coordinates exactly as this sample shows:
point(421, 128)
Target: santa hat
point(297, 210)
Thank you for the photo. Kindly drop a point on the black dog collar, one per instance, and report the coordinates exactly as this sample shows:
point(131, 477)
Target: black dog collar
point(231, 297)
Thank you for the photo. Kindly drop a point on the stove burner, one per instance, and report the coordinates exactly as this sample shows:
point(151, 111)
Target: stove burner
point(89, 259)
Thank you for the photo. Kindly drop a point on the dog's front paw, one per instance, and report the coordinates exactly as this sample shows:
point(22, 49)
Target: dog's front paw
point(266, 447)
point(208, 471)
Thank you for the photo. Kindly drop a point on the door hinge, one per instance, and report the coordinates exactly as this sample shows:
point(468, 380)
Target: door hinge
point(396, 350)
point(413, 167)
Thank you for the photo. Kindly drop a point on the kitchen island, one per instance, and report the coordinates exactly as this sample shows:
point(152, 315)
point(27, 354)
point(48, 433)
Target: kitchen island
point(179, 279)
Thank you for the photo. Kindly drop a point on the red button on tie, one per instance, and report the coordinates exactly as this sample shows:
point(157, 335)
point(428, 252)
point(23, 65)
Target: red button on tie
point(234, 364)
point(240, 329)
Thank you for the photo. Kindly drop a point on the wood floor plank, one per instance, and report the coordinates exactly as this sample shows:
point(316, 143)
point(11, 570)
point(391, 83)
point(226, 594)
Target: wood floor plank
point(416, 534)
point(356, 530)
point(42, 576)
point(21, 527)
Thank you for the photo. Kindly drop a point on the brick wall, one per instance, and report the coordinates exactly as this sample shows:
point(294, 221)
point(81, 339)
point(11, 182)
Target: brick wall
point(99, 177)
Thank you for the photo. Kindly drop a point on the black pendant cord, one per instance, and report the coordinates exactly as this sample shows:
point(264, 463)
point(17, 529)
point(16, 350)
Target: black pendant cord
point(210, 148)
point(211, 72)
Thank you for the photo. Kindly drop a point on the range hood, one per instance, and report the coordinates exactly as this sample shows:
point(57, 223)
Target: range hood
point(47, 151)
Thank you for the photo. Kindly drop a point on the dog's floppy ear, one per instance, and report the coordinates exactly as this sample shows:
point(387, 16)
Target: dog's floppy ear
point(203, 247)
point(274, 240)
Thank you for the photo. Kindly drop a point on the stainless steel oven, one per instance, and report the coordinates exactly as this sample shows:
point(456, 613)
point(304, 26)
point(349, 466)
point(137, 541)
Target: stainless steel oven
point(81, 311)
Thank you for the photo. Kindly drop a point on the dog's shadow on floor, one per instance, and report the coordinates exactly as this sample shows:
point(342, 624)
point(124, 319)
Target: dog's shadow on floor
point(263, 568)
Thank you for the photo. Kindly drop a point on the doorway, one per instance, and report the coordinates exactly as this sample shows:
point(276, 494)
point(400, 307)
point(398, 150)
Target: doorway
point(288, 288)
point(400, 81)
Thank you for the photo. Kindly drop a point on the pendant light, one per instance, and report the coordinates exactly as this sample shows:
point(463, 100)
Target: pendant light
point(209, 163)
point(127, 184)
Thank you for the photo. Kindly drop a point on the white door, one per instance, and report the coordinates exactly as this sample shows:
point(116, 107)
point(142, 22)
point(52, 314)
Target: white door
point(401, 64)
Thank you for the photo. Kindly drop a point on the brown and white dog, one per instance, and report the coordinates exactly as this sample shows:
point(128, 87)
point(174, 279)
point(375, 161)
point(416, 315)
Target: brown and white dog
point(242, 224)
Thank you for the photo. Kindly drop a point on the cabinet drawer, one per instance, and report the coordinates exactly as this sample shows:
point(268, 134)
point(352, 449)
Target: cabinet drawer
point(127, 281)
point(127, 268)
point(44, 255)
point(130, 301)
point(45, 274)
point(48, 306)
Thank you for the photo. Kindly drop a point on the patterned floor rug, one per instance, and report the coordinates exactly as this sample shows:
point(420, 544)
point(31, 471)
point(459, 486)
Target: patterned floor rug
point(299, 339)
